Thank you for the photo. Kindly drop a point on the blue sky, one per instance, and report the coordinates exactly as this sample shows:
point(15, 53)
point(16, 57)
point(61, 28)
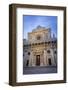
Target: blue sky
point(32, 21)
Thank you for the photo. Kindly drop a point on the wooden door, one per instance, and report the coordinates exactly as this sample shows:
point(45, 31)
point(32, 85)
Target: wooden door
point(38, 60)
point(49, 60)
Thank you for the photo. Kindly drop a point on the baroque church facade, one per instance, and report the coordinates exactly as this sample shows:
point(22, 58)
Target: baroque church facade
point(40, 49)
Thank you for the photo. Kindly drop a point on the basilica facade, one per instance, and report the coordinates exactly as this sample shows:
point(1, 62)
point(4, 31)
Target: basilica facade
point(40, 49)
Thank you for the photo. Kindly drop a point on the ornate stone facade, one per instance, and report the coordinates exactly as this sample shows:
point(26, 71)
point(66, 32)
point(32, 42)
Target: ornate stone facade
point(40, 49)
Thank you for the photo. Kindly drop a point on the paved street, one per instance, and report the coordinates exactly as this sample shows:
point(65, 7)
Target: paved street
point(39, 70)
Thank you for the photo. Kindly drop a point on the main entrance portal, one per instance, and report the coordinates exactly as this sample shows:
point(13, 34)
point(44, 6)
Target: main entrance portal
point(38, 60)
point(49, 60)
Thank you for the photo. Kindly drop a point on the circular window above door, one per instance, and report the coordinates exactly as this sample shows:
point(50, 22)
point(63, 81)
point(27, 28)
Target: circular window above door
point(38, 37)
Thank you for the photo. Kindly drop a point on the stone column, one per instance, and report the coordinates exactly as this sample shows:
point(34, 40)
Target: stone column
point(33, 60)
point(53, 62)
point(55, 59)
point(41, 60)
point(45, 62)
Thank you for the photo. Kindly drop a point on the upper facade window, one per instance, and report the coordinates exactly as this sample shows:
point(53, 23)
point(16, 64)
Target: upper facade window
point(48, 51)
point(38, 37)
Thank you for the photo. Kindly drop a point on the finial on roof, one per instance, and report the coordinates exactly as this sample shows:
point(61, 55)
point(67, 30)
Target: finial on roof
point(38, 27)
